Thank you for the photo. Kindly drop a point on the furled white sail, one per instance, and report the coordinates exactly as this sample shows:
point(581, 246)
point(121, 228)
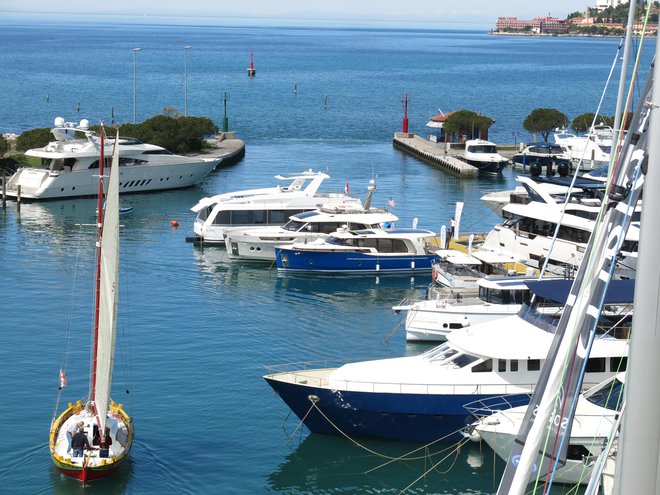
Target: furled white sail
point(108, 293)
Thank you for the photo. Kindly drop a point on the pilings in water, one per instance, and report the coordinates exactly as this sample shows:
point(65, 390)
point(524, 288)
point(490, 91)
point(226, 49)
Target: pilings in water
point(432, 153)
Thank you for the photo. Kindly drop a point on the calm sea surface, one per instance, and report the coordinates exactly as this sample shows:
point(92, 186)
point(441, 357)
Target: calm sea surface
point(196, 330)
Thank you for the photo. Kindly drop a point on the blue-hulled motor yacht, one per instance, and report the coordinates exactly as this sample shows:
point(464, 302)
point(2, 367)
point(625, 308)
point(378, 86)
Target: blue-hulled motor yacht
point(422, 398)
point(378, 250)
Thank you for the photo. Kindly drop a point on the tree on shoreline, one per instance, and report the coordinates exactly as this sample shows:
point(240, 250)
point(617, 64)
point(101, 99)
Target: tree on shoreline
point(544, 120)
point(467, 123)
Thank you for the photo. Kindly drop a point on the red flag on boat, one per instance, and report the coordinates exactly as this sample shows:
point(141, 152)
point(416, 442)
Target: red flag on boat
point(346, 188)
point(63, 381)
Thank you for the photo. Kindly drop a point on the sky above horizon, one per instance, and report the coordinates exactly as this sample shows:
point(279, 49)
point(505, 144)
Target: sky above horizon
point(422, 13)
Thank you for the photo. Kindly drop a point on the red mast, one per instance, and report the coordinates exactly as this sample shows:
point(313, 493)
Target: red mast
point(405, 113)
point(99, 235)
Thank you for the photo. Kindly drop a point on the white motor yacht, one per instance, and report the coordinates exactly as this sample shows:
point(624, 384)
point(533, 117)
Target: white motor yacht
point(258, 244)
point(270, 206)
point(434, 318)
point(593, 150)
point(71, 165)
point(422, 398)
point(484, 156)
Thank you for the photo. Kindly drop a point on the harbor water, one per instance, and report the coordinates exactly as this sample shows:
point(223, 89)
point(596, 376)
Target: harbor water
point(197, 331)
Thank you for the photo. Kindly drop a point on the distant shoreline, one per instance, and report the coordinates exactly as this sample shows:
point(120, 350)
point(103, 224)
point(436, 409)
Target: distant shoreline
point(567, 35)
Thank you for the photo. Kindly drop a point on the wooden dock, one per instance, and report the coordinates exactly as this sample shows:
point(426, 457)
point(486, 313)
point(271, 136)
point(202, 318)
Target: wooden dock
point(435, 154)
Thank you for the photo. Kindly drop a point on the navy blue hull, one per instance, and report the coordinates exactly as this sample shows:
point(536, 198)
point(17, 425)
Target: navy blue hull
point(408, 417)
point(341, 261)
point(491, 168)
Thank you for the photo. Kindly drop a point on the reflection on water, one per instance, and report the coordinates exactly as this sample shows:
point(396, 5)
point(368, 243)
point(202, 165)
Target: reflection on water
point(325, 464)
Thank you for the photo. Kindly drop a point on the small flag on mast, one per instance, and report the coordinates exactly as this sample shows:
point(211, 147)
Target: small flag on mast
point(63, 381)
point(346, 188)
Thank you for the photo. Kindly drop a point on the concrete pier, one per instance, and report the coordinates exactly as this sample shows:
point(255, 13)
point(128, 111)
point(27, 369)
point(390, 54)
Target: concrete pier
point(433, 153)
point(227, 146)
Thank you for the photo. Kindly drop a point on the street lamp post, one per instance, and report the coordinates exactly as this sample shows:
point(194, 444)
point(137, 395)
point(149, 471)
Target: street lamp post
point(185, 79)
point(135, 50)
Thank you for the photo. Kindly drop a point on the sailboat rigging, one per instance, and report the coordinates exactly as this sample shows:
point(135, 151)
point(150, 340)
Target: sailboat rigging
point(91, 440)
point(543, 438)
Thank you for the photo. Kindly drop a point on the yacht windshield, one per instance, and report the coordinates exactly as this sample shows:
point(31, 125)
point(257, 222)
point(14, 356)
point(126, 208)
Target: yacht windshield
point(609, 397)
point(293, 225)
point(546, 322)
point(483, 148)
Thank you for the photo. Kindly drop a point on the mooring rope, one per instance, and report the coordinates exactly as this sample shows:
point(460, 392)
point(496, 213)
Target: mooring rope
point(432, 468)
point(371, 451)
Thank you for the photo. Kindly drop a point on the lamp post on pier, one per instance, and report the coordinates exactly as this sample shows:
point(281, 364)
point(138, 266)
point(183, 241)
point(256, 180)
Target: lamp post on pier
point(135, 51)
point(185, 79)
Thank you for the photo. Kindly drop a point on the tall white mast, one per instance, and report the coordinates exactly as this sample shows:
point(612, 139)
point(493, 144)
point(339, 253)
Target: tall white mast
point(638, 458)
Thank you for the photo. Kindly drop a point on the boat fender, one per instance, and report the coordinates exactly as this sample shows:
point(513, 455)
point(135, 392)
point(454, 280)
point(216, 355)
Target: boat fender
point(535, 169)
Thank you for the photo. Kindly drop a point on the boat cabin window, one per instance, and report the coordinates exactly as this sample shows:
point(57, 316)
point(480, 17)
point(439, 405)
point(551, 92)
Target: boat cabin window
point(253, 217)
point(463, 360)
point(501, 365)
point(156, 152)
point(95, 163)
point(514, 365)
point(618, 364)
point(595, 365)
point(500, 296)
point(532, 227)
point(62, 163)
point(483, 367)
point(482, 148)
point(385, 245)
point(610, 396)
point(533, 365)
point(126, 161)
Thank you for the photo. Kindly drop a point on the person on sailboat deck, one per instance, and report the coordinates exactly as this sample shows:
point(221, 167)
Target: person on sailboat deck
point(104, 446)
point(79, 442)
point(452, 226)
point(70, 431)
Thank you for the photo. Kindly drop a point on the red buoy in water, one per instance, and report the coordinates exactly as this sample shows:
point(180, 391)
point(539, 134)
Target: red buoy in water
point(175, 223)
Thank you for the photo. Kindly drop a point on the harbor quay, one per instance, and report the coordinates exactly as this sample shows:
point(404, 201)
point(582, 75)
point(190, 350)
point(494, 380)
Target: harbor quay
point(442, 155)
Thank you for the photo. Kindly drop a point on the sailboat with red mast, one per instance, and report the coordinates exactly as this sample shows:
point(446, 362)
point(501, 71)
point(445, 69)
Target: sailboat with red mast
point(105, 425)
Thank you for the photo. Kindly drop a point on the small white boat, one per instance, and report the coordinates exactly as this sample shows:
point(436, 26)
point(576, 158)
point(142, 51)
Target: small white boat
point(595, 416)
point(270, 206)
point(433, 319)
point(484, 156)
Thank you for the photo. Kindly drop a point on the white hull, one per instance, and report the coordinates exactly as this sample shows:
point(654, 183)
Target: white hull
point(254, 248)
point(43, 184)
point(432, 320)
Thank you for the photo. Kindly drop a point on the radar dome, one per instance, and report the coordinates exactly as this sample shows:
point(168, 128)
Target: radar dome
point(59, 122)
point(84, 124)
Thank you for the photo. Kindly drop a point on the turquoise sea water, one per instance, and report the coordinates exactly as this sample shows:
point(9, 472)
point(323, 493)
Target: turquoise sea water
point(197, 331)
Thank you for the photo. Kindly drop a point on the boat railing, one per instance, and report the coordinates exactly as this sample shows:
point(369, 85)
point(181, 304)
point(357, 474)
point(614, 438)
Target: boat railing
point(488, 406)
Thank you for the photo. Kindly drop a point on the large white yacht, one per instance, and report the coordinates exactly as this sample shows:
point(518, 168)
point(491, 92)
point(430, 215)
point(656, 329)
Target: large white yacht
point(270, 206)
point(71, 164)
point(593, 149)
point(527, 233)
point(258, 244)
point(422, 398)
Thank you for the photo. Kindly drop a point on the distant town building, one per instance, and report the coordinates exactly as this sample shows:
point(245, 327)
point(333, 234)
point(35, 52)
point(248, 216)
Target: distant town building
point(538, 25)
point(603, 4)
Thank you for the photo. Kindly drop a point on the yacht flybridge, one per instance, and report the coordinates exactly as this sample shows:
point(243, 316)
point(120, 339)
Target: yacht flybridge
point(70, 166)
